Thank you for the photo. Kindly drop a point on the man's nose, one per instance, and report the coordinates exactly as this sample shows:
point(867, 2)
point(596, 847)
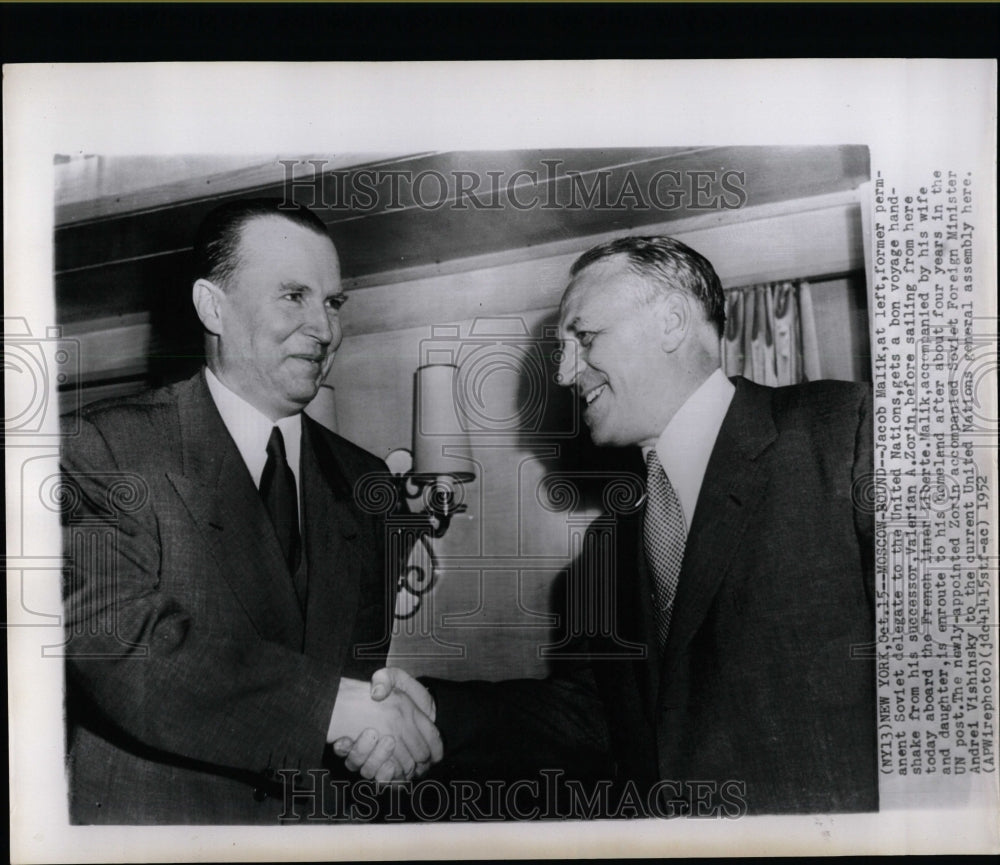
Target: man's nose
point(569, 363)
point(323, 326)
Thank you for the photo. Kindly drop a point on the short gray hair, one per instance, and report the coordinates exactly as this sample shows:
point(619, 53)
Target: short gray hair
point(666, 263)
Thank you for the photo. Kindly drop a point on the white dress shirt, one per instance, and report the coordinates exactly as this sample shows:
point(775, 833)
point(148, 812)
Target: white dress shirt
point(685, 446)
point(251, 429)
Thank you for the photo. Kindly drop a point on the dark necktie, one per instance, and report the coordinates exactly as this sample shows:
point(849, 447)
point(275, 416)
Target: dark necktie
point(277, 488)
point(663, 536)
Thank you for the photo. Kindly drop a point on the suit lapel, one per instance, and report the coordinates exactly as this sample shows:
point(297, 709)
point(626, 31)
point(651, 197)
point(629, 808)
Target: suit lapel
point(648, 670)
point(332, 554)
point(734, 480)
point(224, 503)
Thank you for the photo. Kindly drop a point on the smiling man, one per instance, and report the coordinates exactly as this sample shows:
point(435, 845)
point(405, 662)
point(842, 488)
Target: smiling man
point(737, 677)
point(634, 349)
point(210, 645)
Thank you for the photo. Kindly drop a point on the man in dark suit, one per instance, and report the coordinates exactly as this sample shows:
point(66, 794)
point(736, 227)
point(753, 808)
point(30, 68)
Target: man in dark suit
point(225, 584)
point(736, 677)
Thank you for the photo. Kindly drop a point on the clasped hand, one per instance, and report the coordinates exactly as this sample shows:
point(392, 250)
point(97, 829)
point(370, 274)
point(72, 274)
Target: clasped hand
point(385, 730)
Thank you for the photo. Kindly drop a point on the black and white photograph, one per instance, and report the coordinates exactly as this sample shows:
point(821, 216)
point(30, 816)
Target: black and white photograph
point(521, 485)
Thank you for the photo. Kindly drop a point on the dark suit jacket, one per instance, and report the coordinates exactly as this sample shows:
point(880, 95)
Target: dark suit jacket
point(767, 678)
point(193, 675)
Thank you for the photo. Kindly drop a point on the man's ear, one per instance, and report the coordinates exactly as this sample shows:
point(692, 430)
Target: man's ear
point(675, 316)
point(207, 297)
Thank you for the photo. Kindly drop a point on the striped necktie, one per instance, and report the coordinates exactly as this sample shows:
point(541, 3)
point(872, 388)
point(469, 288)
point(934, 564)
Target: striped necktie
point(663, 535)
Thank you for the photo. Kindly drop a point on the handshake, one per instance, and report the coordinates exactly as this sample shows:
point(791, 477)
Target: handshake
point(385, 730)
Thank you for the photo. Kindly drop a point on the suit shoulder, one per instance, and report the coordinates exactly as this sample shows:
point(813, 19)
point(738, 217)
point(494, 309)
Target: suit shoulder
point(352, 456)
point(824, 400)
point(147, 400)
point(136, 420)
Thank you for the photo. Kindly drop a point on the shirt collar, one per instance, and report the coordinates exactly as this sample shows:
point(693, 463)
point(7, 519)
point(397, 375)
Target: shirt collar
point(251, 429)
point(685, 446)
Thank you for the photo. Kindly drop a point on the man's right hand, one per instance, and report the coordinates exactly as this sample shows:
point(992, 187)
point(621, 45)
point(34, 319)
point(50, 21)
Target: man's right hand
point(372, 753)
point(394, 731)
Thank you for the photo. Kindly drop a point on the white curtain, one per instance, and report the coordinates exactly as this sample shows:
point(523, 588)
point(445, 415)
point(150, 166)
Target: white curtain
point(770, 333)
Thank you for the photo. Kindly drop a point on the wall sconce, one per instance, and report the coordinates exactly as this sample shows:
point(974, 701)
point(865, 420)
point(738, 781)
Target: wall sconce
point(429, 480)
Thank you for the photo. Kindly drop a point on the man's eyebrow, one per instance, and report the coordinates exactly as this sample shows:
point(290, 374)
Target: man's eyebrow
point(340, 298)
